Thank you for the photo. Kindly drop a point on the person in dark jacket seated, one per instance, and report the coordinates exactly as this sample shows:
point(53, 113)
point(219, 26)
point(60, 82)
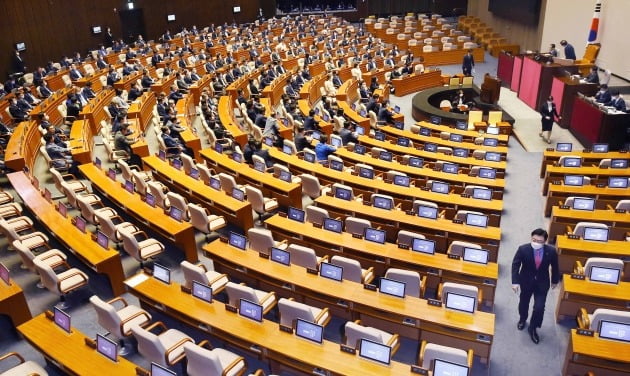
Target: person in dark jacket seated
point(300, 140)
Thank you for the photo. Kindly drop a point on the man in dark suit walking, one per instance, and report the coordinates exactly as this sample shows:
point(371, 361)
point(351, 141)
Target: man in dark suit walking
point(530, 275)
point(549, 113)
point(468, 63)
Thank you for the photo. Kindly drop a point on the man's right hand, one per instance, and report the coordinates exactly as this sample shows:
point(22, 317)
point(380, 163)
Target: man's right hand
point(516, 288)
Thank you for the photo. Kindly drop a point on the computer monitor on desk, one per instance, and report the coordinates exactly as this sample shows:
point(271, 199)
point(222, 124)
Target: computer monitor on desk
point(62, 319)
point(571, 162)
point(343, 193)
point(478, 220)
point(402, 180)
point(331, 271)
point(477, 255)
point(618, 163)
point(201, 291)
point(604, 274)
point(375, 235)
point(423, 246)
point(600, 148)
point(309, 157)
point(456, 137)
point(596, 234)
point(309, 331)
point(375, 351)
point(280, 256)
point(333, 225)
point(427, 212)
point(564, 146)
point(584, 203)
point(461, 152)
point(107, 347)
point(237, 240)
point(296, 214)
point(617, 182)
point(392, 287)
point(161, 273)
point(383, 203)
point(482, 193)
point(250, 310)
point(158, 370)
point(440, 187)
point(460, 302)
point(574, 180)
point(616, 331)
point(445, 368)
point(4, 274)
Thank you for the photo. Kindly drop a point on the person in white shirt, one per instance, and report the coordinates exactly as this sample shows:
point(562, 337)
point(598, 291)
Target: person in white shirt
point(356, 72)
point(329, 87)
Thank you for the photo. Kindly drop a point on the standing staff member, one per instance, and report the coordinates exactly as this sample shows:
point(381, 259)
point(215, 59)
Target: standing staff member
point(468, 63)
point(530, 275)
point(548, 111)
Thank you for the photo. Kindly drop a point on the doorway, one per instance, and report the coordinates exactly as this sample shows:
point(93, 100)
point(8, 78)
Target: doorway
point(132, 24)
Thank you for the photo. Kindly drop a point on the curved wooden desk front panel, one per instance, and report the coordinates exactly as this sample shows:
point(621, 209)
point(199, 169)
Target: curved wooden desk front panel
point(577, 293)
point(13, 303)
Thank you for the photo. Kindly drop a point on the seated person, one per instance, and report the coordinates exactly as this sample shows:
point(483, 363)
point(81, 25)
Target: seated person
point(347, 134)
point(300, 140)
point(323, 150)
point(384, 114)
point(603, 95)
point(617, 101)
point(174, 145)
point(593, 77)
point(61, 156)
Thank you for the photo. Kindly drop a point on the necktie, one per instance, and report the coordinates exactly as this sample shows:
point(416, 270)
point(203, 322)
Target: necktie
point(538, 257)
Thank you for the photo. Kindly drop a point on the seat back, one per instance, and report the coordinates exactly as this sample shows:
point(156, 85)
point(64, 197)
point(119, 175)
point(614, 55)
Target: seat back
point(227, 182)
point(201, 361)
point(303, 256)
point(457, 247)
point(609, 315)
point(47, 275)
point(178, 201)
point(198, 217)
point(237, 292)
point(187, 162)
point(139, 183)
point(412, 280)
point(106, 225)
point(131, 246)
point(204, 173)
point(149, 345)
point(87, 211)
point(125, 169)
point(255, 197)
point(25, 255)
point(494, 117)
point(192, 273)
point(351, 268)
point(357, 225)
point(157, 191)
point(315, 214)
point(107, 316)
point(57, 178)
point(602, 262)
point(347, 187)
point(406, 237)
point(291, 310)
point(310, 185)
point(474, 117)
point(581, 226)
point(260, 240)
point(623, 205)
point(355, 332)
point(433, 351)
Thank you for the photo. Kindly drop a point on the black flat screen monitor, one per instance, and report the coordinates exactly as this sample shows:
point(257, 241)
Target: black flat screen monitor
point(564, 146)
point(444, 368)
point(375, 235)
point(215, 183)
point(402, 180)
point(423, 246)
point(336, 142)
point(490, 142)
point(386, 156)
point(62, 319)
point(430, 147)
point(616, 331)
point(111, 173)
point(415, 162)
point(4, 274)
point(360, 131)
point(285, 176)
point(238, 194)
point(439, 187)
point(487, 173)
point(574, 180)
point(158, 370)
point(161, 273)
point(383, 203)
point(218, 148)
point(331, 271)
point(604, 274)
point(600, 148)
point(259, 166)
point(296, 214)
point(336, 165)
point(425, 131)
point(63, 209)
point(237, 240)
point(79, 222)
point(461, 125)
point(450, 168)
point(129, 186)
point(492, 156)
point(618, 163)
point(584, 203)
point(250, 310)
point(392, 287)
point(343, 193)
point(150, 200)
point(288, 150)
point(596, 234)
point(359, 149)
point(107, 347)
point(175, 213)
point(194, 173)
point(460, 302)
point(617, 182)
point(366, 172)
point(461, 152)
point(177, 164)
point(571, 162)
point(479, 256)
point(435, 120)
point(427, 212)
point(456, 137)
point(238, 157)
point(308, 330)
point(102, 239)
point(280, 256)
point(375, 351)
point(380, 136)
point(402, 141)
point(482, 194)
point(333, 225)
point(268, 141)
point(201, 291)
point(479, 220)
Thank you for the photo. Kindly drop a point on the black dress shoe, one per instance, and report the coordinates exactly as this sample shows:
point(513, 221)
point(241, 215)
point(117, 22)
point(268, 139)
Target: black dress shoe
point(520, 325)
point(533, 335)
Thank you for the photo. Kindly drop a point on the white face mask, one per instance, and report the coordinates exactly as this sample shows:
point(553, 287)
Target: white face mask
point(537, 245)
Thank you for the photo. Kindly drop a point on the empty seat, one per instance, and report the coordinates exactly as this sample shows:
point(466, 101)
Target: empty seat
point(354, 332)
point(203, 220)
point(165, 348)
point(61, 283)
point(457, 247)
point(352, 270)
point(431, 351)
point(316, 215)
point(305, 256)
point(414, 284)
point(24, 367)
point(201, 361)
point(406, 237)
point(291, 310)
point(357, 226)
point(200, 273)
point(609, 263)
point(311, 186)
point(591, 321)
point(139, 246)
point(260, 204)
point(581, 226)
point(236, 292)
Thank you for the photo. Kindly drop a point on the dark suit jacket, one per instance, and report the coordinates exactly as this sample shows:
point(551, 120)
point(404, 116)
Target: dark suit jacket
point(524, 270)
point(544, 111)
point(468, 62)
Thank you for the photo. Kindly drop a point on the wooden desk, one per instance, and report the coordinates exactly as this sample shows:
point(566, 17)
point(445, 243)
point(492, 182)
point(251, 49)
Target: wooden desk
point(163, 85)
point(50, 104)
point(589, 158)
point(603, 357)
point(561, 218)
point(395, 133)
point(557, 173)
point(182, 234)
point(227, 120)
point(94, 111)
point(423, 173)
point(238, 213)
point(369, 186)
point(23, 146)
point(437, 267)
point(13, 303)
point(412, 316)
point(416, 82)
point(603, 196)
point(572, 250)
point(402, 150)
point(394, 220)
point(575, 294)
point(187, 114)
point(589, 124)
point(287, 194)
point(80, 244)
point(68, 351)
point(264, 339)
point(81, 141)
point(469, 136)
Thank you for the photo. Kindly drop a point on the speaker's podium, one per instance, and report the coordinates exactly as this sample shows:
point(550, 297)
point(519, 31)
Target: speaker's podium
point(490, 89)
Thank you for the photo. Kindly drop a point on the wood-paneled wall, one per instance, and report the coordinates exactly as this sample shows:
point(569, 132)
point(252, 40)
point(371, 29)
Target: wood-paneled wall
point(53, 28)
